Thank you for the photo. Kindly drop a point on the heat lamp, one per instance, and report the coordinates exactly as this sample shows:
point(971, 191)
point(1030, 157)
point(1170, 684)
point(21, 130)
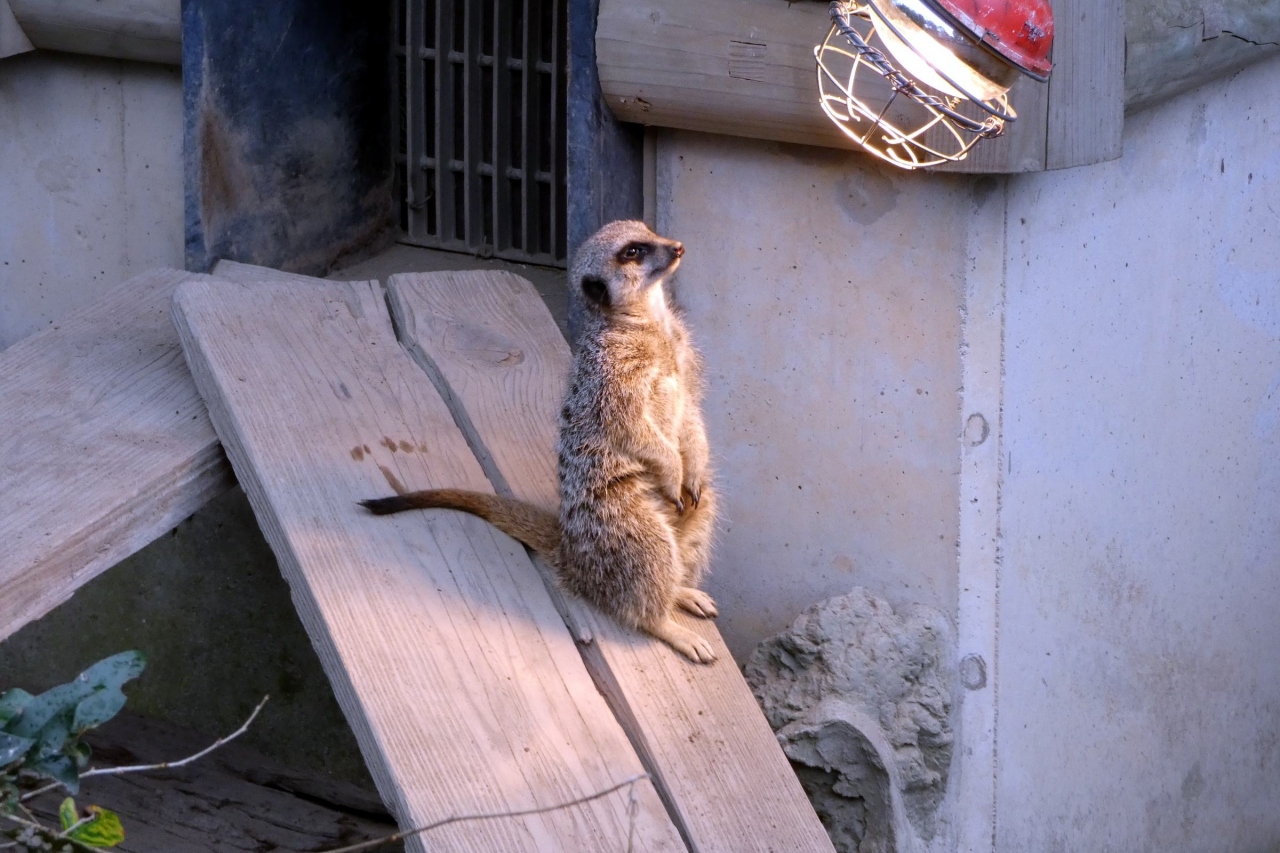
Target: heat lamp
point(920, 82)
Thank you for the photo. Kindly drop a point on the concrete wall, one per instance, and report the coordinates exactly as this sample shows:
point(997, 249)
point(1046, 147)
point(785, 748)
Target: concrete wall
point(1139, 679)
point(824, 291)
point(1119, 327)
point(90, 181)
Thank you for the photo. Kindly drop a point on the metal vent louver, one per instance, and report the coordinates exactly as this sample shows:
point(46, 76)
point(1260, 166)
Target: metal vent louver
point(481, 158)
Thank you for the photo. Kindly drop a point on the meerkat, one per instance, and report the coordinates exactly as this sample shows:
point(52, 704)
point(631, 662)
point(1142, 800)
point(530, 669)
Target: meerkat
point(637, 511)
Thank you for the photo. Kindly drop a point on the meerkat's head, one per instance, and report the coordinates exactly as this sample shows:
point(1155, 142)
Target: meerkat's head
point(617, 267)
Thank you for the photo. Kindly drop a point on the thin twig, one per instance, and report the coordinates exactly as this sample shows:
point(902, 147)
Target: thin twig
point(66, 833)
point(31, 795)
point(47, 831)
point(400, 836)
point(164, 765)
point(169, 765)
point(118, 771)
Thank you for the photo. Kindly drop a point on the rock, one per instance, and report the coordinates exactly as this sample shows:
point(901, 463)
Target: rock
point(860, 700)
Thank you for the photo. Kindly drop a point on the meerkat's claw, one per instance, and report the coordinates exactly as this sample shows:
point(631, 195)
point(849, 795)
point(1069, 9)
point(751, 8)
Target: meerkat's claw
point(685, 641)
point(697, 602)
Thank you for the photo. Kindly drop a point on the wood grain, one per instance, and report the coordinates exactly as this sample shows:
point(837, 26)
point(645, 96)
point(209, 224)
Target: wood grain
point(490, 340)
point(104, 445)
point(1086, 89)
point(1022, 147)
point(462, 685)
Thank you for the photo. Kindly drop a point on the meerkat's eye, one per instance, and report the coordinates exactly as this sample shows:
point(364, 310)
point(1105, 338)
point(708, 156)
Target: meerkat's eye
point(632, 252)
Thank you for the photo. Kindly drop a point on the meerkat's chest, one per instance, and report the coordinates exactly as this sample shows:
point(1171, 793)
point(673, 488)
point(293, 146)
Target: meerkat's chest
point(667, 398)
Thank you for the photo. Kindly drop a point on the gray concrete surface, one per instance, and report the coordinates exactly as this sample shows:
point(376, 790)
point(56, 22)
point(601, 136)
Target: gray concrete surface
point(1139, 680)
point(90, 181)
point(824, 291)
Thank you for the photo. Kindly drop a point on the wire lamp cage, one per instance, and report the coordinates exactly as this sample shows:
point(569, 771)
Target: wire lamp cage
point(920, 82)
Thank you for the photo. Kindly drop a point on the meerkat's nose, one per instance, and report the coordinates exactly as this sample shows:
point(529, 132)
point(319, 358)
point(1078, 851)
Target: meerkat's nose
point(679, 250)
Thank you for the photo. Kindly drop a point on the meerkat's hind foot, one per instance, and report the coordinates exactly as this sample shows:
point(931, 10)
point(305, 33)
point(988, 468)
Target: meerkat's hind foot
point(685, 641)
point(695, 601)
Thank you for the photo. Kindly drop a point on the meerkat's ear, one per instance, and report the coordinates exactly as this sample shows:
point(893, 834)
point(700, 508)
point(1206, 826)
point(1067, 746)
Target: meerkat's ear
point(596, 290)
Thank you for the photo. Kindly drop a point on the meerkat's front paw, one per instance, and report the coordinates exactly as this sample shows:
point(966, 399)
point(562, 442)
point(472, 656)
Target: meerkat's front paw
point(671, 492)
point(685, 641)
point(697, 602)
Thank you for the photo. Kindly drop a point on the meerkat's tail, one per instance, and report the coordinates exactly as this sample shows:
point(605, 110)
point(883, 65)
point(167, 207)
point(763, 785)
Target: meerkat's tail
point(534, 526)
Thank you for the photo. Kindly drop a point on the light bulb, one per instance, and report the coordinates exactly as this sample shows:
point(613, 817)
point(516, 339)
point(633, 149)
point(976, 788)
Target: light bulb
point(938, 55)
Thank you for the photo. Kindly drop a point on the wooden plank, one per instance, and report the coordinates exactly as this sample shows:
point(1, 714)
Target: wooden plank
point(1086, 89)
point(104, 445)
point(490, 340)
point(459, 680)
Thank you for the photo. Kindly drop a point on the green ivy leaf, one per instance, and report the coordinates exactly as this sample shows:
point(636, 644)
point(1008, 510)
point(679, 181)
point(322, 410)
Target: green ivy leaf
point(115, 671)
point(59, 768)
point(13, 747)
point(97, 709)
point(105, 678)
point(67, 814)
point(103, 831)
point(39, 711)
point(11, 704)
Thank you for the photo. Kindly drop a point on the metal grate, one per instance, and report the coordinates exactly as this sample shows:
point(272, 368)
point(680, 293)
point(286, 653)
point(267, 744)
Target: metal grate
point(481, 161)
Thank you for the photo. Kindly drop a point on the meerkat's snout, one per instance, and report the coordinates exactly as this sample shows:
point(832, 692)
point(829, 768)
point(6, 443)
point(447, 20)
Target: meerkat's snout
point(675, 251)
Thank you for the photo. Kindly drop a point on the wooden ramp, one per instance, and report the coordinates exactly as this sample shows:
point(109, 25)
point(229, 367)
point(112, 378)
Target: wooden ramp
point(443, 642)
point(104, 445)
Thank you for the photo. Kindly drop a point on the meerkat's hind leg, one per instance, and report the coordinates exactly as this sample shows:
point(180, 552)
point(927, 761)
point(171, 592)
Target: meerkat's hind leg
point(695, 601)
point(684, 640)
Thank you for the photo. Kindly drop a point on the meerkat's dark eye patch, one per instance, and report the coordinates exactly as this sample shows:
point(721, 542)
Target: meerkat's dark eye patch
point(633, 252)
point(596, 290)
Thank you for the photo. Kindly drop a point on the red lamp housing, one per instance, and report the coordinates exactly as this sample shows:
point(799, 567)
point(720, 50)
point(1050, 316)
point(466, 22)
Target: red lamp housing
point(919, 82)
point(1020, 31)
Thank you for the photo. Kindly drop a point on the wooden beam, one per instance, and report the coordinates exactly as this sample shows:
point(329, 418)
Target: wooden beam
point(1086, 89)
point(458, 677)
point(104, 445)
point(145, 30)
point(746, 68)
point(12, 39)
point(499, 361)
